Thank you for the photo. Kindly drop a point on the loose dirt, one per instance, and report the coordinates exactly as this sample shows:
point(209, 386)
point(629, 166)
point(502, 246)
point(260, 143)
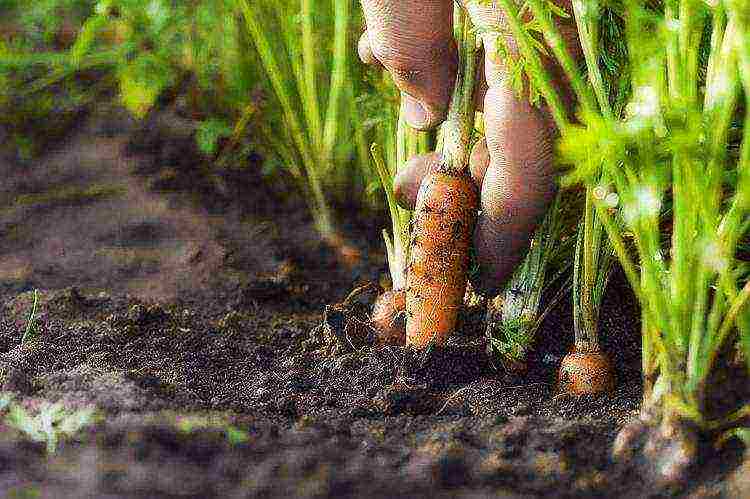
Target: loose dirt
point(190, 317)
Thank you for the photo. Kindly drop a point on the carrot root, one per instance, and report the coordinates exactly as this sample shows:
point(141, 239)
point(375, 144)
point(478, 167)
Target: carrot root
point(586, 373)
point(443, 225)
point(388, 316)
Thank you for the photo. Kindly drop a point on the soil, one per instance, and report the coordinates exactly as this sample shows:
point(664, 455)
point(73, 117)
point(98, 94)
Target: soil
point(187, 306)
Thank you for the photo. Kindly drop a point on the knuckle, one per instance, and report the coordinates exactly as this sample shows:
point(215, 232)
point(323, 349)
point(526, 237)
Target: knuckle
point(406, 74)
point(402, 67)
point(414, 65)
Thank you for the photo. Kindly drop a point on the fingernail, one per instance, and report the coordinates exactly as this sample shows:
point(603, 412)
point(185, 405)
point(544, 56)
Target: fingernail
point(415, 113)
point(365, 50)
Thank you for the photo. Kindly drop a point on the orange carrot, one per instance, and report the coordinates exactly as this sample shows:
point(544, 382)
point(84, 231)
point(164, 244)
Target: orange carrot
point(389, 317)
point(443, 225)
point(586, 372)
point(445, 214)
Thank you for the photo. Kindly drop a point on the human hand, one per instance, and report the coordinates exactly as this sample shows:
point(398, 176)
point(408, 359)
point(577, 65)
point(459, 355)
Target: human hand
point(512, 166)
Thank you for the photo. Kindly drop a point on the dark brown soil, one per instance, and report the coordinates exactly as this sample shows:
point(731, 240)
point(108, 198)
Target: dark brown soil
point(191, 322)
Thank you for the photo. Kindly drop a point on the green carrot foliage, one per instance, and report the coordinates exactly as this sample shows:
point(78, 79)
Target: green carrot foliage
point(669, 161)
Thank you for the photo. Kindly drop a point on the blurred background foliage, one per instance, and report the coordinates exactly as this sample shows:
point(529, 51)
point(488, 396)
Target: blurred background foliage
point(311, 113)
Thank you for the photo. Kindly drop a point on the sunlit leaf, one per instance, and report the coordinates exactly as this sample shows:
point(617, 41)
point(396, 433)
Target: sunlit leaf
point(142, 81)
point(208, 134)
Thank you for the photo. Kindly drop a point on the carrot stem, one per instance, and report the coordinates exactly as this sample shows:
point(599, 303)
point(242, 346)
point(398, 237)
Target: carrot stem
point(310, 89)
point(338, 77)
point(535, 69)
point(457, 129)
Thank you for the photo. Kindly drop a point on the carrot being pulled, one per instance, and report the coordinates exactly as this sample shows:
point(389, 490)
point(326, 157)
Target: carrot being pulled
point(444, 218)
point(443, 224)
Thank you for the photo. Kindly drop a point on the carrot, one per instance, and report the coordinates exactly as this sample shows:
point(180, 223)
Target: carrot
point(445, 213)
point(389, 317)
point(586, 372)
point(443, 225)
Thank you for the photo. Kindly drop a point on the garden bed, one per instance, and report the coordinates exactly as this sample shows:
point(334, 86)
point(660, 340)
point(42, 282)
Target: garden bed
point(190, 333)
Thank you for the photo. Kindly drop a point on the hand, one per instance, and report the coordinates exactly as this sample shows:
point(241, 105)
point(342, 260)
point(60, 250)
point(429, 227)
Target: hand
point(413, 40)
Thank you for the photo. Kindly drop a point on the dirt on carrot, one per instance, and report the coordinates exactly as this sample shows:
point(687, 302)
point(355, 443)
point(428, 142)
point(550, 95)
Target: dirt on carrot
point(437, 273)
point(585, 373)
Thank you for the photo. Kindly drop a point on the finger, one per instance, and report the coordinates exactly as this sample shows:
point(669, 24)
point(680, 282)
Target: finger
point(479, 162)
point(407, 181)
point(518, 183)
point(517, 187)
point(488, 15)
point(414, 42)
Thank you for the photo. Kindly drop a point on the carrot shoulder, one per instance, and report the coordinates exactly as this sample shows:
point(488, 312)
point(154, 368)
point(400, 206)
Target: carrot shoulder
point(443, 225)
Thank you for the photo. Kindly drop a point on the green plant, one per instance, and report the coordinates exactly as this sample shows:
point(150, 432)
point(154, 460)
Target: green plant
point(321, 121)
point(193, 423)
point(668, 162)
point(594, 257)
point(276, 77)
point(515, 315)
point(142, 51)
point(27, 32)
point(52, 422)
point(531, 21)
point(408, 143)
point(30, 322)
point(592, 268)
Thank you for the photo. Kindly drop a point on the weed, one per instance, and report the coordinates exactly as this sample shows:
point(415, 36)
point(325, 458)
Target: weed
point(30, 322)
point(50, 424)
